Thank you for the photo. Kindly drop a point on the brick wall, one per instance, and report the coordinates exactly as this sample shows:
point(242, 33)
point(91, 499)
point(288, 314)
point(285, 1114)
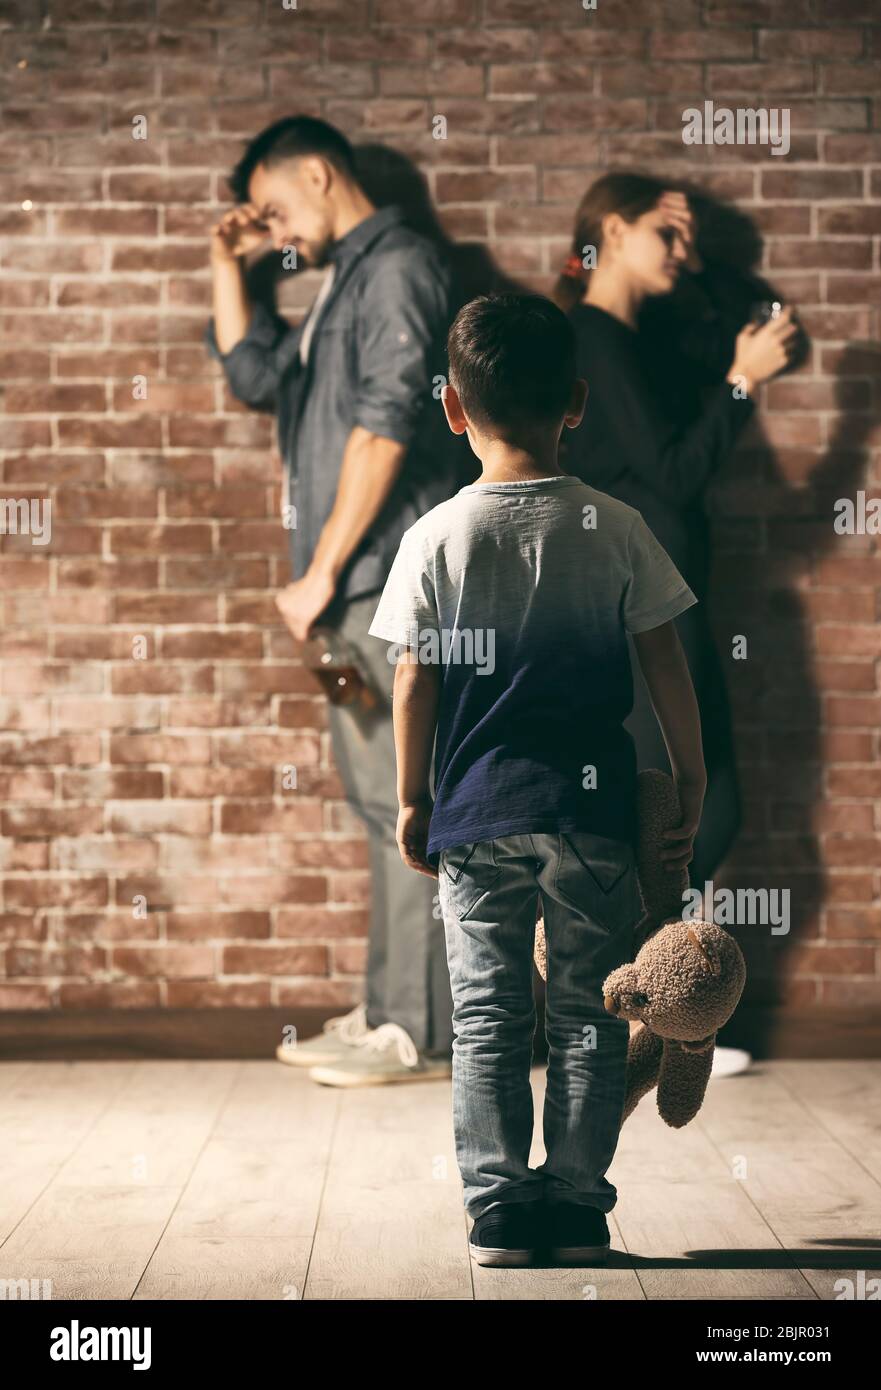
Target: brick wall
point(150, 699)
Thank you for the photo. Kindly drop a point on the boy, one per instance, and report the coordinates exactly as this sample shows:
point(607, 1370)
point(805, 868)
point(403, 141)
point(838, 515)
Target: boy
point(509, 606)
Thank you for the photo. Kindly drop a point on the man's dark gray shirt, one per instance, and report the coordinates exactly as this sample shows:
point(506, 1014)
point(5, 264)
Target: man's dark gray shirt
point(376, 359)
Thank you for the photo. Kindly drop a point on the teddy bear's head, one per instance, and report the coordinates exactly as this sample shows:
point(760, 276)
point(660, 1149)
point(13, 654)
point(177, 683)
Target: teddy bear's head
point(688, 976)
point(684, 984)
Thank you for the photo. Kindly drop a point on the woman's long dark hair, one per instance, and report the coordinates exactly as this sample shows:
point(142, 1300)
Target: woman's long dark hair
point(630, 195)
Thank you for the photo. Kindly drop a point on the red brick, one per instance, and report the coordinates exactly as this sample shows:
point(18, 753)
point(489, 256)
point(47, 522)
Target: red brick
point(828, 960)
point(854, 926)
point(159, 818)
point(267, 818)
point(220, 781)
point(174, 962)
point(217, 926)
point(274, 960)
point(68, 892)
point(52, 821)
point(34, 961)
point(166, 891)
point(744, 79)
point(810, 185)
point(165, 749)
point(111, 855)
point(216, 713)
point(327, 923)
point(273, 890)
point(775, 45)
point(61, 752)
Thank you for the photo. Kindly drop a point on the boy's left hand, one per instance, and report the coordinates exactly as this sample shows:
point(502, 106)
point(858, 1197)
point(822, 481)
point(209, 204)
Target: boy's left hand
point(412, 836)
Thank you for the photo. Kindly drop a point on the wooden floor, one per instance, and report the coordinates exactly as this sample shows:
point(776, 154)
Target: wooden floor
point(244, 1180)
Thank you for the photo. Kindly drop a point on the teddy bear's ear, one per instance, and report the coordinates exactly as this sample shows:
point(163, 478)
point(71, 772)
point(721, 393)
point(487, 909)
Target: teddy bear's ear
point(707, 950)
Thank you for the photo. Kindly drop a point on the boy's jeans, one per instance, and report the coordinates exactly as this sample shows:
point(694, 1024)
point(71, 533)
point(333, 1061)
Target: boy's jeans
point(489, 893)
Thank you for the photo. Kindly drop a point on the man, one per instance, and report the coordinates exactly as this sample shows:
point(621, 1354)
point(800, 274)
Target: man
point(366, 452)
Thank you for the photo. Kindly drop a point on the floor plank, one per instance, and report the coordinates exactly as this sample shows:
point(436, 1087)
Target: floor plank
point(245, 1224)
point(392, 1224)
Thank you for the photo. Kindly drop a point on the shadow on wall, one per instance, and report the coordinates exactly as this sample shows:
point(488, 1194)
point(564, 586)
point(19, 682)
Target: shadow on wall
point(782, 713)
point(783, 536)
point(390, 177)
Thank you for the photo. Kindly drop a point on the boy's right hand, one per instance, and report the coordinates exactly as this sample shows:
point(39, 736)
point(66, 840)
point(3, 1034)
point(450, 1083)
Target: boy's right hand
point(680, 851)
point(238, 232)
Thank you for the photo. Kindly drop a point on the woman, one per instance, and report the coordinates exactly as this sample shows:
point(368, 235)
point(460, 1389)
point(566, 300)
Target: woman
point(662, 415)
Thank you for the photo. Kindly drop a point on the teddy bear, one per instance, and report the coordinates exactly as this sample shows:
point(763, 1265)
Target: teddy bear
point(685, 982)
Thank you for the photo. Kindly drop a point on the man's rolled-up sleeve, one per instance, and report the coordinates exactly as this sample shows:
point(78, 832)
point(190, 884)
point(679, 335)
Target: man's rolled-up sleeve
point(253, 367)
point(403, 318)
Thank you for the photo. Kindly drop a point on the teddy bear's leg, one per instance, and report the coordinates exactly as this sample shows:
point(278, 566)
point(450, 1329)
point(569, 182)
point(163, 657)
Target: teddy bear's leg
point(643, 1067)
point(682, 1083)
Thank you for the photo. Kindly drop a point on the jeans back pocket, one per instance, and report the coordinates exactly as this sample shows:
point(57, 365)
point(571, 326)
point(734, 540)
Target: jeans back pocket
point(598, 876)
point(469, 871)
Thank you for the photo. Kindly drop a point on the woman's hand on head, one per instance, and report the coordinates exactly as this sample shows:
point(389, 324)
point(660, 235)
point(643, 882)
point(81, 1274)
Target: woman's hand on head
point(679, 215)
point(760, 352)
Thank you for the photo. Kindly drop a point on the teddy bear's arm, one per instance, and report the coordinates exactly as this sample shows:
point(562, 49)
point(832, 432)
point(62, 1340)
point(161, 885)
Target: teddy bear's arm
point(643, 1067)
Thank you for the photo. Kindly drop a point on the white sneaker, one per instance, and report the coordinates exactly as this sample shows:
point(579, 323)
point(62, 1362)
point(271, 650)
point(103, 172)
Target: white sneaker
point(339, 1037)
point(387, 1056)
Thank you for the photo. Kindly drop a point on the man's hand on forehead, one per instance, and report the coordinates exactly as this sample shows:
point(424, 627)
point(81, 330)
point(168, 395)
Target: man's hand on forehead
point(238, 232)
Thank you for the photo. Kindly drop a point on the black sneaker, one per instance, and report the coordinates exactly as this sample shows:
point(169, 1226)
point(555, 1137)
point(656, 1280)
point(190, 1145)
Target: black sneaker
point(505, 1236)
point(576, 1234)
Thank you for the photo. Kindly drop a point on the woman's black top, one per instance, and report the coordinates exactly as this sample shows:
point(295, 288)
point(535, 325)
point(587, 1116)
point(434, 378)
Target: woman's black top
point(660, 418)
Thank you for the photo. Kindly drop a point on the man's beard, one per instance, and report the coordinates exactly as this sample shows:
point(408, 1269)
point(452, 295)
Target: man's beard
point(316, 254)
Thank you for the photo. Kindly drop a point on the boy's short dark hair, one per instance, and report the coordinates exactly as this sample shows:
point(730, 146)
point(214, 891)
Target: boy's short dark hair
point(512, 360)
point(290, 138)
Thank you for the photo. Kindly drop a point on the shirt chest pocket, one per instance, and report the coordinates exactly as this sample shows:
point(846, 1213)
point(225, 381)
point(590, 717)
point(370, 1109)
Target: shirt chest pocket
point(335, 348)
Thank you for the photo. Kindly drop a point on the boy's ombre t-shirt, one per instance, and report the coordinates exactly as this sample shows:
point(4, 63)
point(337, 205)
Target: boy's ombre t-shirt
point(523, 592)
